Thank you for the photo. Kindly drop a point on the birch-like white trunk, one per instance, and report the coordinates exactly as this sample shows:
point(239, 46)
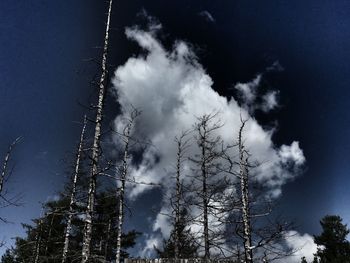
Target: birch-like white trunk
point(207, 144)
point(202, 129)
point(5, 164)
point(73, 193)
point(86, 250)
point(244, 184)
point(124, 173)
point(38, 243)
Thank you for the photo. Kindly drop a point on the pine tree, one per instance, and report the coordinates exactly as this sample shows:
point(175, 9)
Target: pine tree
point(8, 257)
point(44, 238)
point(303, 260)
point(332, 242)
point(188, 246)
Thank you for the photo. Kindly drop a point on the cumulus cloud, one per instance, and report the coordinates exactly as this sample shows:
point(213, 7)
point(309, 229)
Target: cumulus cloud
point(303, 245)
point(172, 89)
point(208, 16)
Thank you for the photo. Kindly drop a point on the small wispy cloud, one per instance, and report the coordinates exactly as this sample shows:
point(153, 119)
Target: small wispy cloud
point(207, 16)
point(269, 101)
point(253, 98)
point(276, 66)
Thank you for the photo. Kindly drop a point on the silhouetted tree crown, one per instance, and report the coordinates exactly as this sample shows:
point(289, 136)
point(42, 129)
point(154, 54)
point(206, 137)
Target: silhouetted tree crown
point(188, 247)
point(332, 244)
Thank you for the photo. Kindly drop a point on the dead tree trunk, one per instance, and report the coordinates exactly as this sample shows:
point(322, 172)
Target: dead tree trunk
point(202, 127)
point(38, 242)
point(244, 184)
point(207, 162)
point(73, 193)
point(124, 171)
point(5, 164)
point(96, 146)
point(181, 147)
point(177, 195)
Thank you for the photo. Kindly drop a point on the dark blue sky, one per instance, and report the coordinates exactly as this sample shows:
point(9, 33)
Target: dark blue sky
point(43, 76)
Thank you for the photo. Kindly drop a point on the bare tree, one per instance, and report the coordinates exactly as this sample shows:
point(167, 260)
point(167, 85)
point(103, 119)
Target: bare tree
point(73, 192)
point(255, 225)
point(4, 172)
point(38, 239)
point(126, 137)
point(4, 176)
point(182, 145)
point(86, 250)
point(244, 184)
point(208, 161)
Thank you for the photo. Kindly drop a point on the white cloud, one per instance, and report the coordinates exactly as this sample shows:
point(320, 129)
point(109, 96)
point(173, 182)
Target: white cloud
point(248, 91)
point(303, 245)
point(292, 154)
point(151, 242)
point(172, 89)
point(269, 101)
point(162, 222)
point(249, 94)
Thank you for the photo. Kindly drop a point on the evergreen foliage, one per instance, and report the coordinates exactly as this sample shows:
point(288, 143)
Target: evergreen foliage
point(188, 246)
point(45, 235)
point(333, 247)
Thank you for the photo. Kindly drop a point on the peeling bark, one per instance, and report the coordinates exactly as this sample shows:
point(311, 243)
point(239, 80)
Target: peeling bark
point(73, 193)
point(121, 192)
point(38, 243)
point(86, 250)
point(244, 184)
point(5, 164)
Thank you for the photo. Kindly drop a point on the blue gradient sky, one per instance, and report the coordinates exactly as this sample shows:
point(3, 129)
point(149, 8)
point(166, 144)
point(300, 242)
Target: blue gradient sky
point(43, 75)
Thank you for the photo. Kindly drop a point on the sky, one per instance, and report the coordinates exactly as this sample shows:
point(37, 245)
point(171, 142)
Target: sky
point(298, 48)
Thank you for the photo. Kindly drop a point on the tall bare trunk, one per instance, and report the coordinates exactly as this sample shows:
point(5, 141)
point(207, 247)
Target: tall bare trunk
point(207, 162)
point(5, 164)
point(181, 147)
point(203, 139)
point(244, 183)
point(205, 203)
point(177, 200)
point(38, 243)
point(124, 173)
point(96, 146)
point(73, 193)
